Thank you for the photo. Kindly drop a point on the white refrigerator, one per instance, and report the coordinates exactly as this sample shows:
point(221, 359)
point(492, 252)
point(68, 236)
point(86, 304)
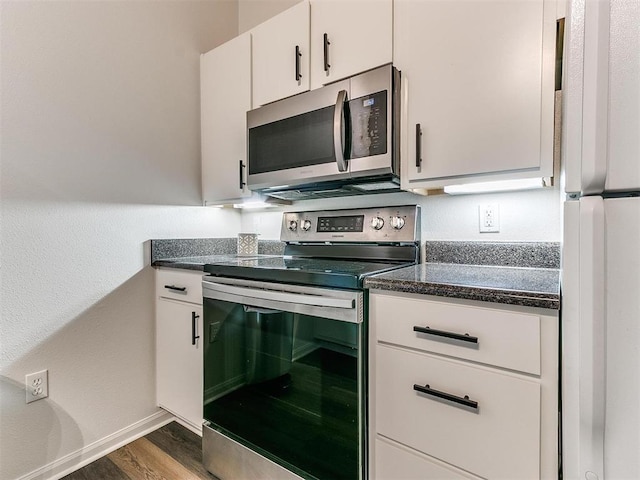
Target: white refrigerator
point(600, 329)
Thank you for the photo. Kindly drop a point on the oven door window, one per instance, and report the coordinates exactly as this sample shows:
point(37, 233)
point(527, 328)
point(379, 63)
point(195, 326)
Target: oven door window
point(286, 385)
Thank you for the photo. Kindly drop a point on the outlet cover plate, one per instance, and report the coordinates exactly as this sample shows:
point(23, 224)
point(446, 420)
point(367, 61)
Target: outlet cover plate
point(489, 218)
point(37, 385)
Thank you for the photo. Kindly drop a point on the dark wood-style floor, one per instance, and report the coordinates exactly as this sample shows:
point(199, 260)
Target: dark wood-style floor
point(170, 453)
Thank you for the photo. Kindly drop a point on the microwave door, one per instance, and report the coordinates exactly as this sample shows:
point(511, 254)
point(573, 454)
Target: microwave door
point(291, 142)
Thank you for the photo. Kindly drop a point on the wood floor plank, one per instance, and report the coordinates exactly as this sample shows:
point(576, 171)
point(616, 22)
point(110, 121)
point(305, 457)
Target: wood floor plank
point(103, 468)
point(143, 460)
point(183, 445)
point(171, 453)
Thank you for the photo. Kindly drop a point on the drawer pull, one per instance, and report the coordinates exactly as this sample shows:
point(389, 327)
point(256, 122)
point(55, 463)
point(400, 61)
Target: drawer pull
point(177, 289)
point(441, 333)
point(446, 396)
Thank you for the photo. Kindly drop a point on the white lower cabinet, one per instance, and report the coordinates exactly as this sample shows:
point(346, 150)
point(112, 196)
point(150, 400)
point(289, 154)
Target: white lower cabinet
point(395, 461)
point(442, 407)
point(495, 439)
point(179, 350)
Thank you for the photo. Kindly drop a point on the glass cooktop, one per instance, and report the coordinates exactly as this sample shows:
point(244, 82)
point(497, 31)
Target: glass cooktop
point(324, 272)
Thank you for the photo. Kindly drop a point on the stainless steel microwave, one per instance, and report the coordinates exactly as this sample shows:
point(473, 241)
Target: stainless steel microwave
point(342, 139)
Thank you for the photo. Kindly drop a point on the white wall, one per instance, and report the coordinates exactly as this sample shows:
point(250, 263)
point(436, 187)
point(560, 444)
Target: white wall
point(100, 152)
point(254, 12)
point(531, 216)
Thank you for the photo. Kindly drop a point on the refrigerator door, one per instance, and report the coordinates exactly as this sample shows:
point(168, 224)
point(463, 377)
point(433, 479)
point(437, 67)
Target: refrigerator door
point(583, 348)
point(624, 97)
point(622, 427)
point(601, 145)
point(585, 101)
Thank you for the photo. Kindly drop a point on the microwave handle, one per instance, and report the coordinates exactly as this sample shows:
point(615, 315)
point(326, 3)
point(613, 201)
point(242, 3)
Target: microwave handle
point(338, 130)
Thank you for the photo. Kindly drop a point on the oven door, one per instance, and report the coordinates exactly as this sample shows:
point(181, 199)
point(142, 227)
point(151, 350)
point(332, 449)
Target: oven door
point(284, 376)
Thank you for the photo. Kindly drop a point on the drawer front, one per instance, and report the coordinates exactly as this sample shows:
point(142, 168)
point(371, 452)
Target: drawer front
point(504, 338)
point(181, 285)
point(397, 462)
point(498, 439)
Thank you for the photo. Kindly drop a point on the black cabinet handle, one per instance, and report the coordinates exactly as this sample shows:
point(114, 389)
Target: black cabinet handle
point(418, 145)
point(427, 390)
point(194, 328)
point(326, 53)
point(298, 55)
point(242, 183)
point(441, 333)
point(177, 289)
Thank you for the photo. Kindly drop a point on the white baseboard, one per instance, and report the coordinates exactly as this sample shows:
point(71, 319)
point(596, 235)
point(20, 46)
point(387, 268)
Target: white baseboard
point(78, 459)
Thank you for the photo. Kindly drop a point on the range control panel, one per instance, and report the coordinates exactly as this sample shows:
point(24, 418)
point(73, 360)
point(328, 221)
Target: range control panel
point(384, 224)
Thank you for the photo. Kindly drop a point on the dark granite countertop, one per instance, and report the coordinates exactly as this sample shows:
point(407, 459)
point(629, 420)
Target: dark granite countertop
point(524, 279)
point(195, 253)
point(198, 262)
point(532, 287)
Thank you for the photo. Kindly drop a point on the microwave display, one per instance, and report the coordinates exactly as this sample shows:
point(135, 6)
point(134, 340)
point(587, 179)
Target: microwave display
point(368, 125)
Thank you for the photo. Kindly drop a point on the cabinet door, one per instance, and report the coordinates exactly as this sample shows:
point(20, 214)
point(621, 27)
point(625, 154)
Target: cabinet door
point(359, 35)
point(277, 71)
point(179, 359)
point(479, 79)
point(225, 97)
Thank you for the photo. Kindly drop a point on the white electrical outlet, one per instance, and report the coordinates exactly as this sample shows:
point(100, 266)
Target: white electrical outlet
point(489, 218)
point(37, 385)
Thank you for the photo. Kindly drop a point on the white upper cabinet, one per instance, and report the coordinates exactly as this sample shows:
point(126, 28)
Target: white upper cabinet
point(281, 55)
point(349, 37)
point(479, 80)
point(225, 97)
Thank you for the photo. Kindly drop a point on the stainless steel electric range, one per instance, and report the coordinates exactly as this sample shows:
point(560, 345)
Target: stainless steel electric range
point(285, 357)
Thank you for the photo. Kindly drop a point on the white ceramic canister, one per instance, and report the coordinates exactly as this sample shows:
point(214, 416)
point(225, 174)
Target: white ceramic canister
point(247, 244)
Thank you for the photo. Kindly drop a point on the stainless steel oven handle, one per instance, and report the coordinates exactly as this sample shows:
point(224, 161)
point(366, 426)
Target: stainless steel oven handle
point(338, 130)
point(301, 299)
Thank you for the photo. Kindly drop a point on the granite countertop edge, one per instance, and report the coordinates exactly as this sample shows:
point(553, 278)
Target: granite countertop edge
point(177, 263)
point(492, 295)
point(423, 287)
point(549, 298)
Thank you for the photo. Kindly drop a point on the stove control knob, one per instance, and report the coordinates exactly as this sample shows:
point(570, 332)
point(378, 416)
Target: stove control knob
point(397, 222)
point(306, 225)
point(377, 223)
point(293, 225)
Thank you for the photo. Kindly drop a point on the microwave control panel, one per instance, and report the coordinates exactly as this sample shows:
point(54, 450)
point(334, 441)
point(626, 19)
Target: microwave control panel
point(386, 224)
point(368, 117)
